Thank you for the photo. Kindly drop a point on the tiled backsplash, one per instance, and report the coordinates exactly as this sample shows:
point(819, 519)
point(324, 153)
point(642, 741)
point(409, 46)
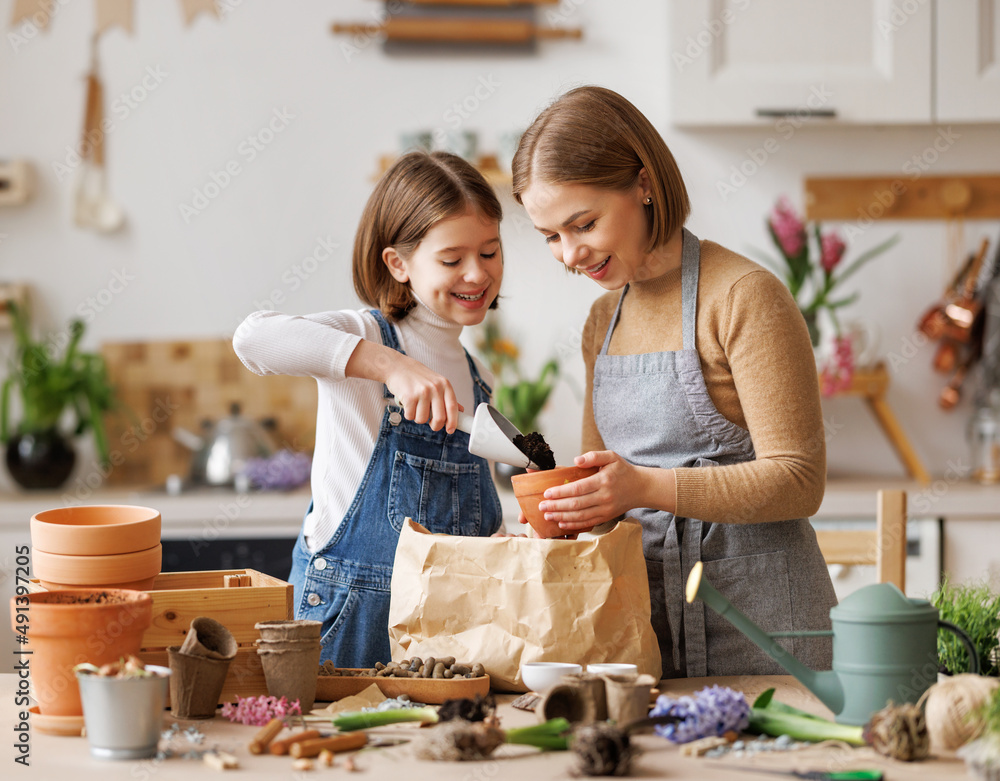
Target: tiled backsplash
point(165, 385)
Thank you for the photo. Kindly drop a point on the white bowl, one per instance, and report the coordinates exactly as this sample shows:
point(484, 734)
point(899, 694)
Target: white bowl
point(542, 676)
point(610, 668)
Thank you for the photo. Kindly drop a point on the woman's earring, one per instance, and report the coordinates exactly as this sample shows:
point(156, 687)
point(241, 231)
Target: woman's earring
point(649, 200)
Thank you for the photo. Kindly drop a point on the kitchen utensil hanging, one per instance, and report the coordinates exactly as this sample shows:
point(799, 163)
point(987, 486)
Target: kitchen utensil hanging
point(956, 323)
point(92, 207)
point(458, 26)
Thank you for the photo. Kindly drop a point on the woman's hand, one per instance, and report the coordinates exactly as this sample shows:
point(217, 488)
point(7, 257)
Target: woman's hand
point(426, 396)
point(617, 488)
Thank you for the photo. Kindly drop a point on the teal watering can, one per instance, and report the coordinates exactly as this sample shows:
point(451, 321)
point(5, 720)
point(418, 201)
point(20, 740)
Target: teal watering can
point(884, 647)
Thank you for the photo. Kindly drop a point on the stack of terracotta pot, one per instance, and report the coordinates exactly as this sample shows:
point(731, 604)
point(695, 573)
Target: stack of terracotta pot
point(117, 546)
point(84, 556)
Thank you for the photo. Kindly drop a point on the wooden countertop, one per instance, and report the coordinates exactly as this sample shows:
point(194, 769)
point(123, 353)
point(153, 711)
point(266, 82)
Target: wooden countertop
point(62, 757)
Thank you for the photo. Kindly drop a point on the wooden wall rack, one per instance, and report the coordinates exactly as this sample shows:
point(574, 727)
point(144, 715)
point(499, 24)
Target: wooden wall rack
point(872, 385)
point(487, 164)
point(901, 197)
point(511, 25)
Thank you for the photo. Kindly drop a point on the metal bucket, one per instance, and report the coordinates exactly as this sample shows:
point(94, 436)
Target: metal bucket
point(124, 716)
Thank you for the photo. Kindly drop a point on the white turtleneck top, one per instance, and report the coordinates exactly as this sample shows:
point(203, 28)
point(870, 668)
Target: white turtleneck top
point(349, 410)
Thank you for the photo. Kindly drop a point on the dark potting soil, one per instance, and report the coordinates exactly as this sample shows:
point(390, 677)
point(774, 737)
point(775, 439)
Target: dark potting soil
point(535, 447)
point(95, 598)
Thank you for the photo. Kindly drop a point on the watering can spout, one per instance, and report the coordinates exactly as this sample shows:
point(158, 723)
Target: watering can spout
point(826, 685)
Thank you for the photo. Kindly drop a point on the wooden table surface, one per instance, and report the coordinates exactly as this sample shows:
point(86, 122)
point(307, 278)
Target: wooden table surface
point(68, 758)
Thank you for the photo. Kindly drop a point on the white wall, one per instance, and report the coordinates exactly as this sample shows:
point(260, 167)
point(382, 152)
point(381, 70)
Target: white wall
point(222, 81)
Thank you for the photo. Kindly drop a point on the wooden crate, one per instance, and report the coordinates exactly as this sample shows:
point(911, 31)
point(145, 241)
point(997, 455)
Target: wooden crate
point(179, 597)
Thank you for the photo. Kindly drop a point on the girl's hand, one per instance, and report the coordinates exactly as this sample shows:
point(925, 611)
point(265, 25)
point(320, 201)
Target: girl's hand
point(614, 490)
point(426, 396)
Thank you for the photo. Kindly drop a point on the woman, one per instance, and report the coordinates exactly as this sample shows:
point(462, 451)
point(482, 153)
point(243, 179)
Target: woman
point(703, 409)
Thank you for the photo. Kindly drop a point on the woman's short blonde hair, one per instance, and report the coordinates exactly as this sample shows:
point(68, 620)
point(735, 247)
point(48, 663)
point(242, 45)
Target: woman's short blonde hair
point(594, 136)
point(418, 191)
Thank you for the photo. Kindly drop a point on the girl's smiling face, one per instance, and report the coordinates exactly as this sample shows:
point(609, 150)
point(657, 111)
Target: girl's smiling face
point(456, 269)
point(600, 232)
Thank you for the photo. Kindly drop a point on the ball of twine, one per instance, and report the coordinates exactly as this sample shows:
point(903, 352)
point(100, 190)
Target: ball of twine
point(949, 708)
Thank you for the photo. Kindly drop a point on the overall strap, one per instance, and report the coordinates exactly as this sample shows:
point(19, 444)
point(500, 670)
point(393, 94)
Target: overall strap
point(389, 339)
point(480, 390)
point(690, 255)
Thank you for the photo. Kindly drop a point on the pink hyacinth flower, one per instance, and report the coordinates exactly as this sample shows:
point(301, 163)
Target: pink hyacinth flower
point(838, 371)
point(831, 251)
point(788, 227)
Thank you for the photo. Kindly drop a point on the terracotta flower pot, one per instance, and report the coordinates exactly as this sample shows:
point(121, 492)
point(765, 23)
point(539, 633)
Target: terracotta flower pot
point(528, 488)
point(95, 530)
point(68, 627)
point(136, 570)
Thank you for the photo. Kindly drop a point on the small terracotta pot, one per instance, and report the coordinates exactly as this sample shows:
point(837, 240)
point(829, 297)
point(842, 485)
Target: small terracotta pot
point(528, 488)
point(66, 628)
point(195, 684)
point(290, 629)
point(95, 530)
point(137, 569)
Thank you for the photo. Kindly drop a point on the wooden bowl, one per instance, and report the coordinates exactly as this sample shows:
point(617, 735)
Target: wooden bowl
point(138, 569)
point(528, 488)
point(95, 530)
point(433, 691)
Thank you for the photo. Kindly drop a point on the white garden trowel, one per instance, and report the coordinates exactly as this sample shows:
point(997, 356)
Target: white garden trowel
point(491, 436)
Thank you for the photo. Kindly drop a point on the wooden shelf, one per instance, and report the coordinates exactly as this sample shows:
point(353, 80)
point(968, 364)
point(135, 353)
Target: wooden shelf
point(487, 165)
point(973, 197)
point(872, 385)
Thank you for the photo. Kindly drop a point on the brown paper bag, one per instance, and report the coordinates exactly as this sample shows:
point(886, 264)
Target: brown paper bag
point(503, 601)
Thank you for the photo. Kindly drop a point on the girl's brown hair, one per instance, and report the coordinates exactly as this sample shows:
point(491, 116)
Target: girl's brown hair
point(418, 191)
point(594, 136)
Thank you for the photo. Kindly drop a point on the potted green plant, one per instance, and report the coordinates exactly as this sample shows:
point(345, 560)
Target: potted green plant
point(519, 399)
point(49, 384)
point(976, 609)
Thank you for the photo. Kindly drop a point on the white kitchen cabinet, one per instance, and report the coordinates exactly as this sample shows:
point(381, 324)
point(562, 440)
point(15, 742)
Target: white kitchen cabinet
point(789, 62)
point(968, 60)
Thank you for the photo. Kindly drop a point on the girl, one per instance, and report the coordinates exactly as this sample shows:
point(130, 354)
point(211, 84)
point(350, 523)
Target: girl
point(427, 259)
point(703, 409)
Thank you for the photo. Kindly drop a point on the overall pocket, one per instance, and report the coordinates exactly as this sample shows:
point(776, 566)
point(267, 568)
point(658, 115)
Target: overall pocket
point(758, 587)
point(442, 496)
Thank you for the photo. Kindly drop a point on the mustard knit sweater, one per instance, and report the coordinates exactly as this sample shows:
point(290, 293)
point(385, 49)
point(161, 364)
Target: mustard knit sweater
point(761, 375)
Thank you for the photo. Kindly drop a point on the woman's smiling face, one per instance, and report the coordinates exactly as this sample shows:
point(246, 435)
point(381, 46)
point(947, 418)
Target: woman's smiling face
point(600, 232)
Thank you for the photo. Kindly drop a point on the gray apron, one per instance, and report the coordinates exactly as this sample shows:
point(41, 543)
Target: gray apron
point(654, 410)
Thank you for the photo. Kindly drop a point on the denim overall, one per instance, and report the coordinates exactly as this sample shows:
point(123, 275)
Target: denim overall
point(414, 472)
point(654, 410)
